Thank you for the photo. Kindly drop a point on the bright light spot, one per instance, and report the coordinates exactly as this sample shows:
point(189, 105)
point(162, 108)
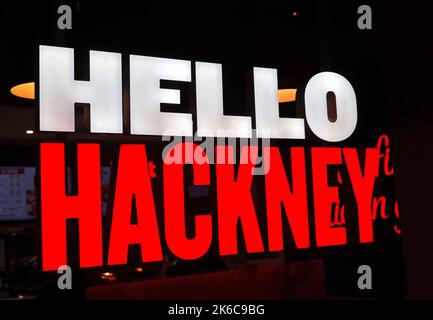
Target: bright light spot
point(286, 95)
point(24, 90)
point(30, 131)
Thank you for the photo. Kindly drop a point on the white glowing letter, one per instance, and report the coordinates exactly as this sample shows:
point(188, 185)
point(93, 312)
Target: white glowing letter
point(147, 96)
point(58, 91)
point(211, 121)
point(267, 109)
point(316, 107)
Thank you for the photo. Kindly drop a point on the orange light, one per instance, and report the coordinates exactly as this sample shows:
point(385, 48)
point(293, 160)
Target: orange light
point(109, 276)
point(286, 95)
point(24, 90)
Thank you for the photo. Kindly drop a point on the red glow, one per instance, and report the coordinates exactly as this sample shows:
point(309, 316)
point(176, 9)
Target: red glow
point(235, 205)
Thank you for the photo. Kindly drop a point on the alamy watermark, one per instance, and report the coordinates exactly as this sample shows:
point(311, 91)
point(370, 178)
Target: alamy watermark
point(211, 150)
point(365, 19)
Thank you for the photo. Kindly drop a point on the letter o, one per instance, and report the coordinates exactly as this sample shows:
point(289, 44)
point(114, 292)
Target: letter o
point(316, 109)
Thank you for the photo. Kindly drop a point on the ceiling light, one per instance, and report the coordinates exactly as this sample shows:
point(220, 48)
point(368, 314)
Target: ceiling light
point(286, 95)
point(24, 90)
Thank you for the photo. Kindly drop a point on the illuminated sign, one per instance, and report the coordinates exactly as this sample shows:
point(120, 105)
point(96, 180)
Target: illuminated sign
point(58, 92)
